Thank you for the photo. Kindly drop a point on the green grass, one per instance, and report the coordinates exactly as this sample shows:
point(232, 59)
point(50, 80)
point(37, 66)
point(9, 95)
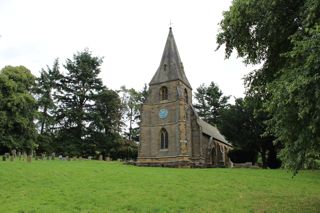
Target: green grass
point(96, 186)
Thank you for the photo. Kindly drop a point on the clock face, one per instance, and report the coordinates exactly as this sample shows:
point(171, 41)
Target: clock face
point(163, 113)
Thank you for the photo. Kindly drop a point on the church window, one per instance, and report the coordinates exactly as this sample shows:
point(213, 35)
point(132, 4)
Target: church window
point(164, 93)
point(186, 95)
point(164, 139)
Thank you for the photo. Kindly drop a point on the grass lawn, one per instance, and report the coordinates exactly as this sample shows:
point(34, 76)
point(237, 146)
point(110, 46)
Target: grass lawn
point(97, 186)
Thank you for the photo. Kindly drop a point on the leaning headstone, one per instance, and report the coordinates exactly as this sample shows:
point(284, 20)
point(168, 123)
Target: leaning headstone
point(100, 157)
point(29, 158)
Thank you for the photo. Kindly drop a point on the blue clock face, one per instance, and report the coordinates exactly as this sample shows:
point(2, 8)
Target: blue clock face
point(163, 113)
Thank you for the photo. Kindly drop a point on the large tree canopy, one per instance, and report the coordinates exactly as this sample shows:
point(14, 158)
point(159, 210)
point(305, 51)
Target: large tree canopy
point(17, 109)
point(283, 35)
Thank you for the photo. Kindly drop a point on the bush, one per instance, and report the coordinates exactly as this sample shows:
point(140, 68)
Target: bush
point(242, 156)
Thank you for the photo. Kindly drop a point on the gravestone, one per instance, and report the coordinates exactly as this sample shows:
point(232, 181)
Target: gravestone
point(89, 157)
point(19, 155)
point(14, 153)
point(29, 158)
point(24, 156)
point(53, 156)
point(100, 157)
point(60, 157)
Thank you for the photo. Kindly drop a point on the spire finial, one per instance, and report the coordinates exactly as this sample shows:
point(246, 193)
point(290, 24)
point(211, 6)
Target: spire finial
point(170, 25)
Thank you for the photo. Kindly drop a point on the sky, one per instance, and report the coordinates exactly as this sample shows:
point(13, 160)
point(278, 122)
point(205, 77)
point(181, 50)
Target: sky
point(129, 35)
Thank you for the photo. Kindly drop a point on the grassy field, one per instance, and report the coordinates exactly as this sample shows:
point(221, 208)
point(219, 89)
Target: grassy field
point(96, 186)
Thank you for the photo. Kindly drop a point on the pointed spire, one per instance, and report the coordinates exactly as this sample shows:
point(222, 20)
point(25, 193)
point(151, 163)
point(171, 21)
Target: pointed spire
point(171, 67)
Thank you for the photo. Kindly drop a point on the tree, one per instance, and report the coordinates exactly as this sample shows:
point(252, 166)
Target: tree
point(210, 102)
point(77, 91)
point(45, 89)
point(245, 128)
point(17, 109)
point(45, 86)
point(106, 121)
point(276, 34)
point(132, 101)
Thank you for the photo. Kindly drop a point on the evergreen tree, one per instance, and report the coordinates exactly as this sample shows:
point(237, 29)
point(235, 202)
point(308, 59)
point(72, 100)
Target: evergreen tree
point(77, 92)
point(210, 102)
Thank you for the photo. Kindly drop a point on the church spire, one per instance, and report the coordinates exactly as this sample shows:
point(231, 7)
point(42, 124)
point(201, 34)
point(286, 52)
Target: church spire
point(171, 67)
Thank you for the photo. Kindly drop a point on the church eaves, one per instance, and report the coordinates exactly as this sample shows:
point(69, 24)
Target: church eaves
point(171, 67)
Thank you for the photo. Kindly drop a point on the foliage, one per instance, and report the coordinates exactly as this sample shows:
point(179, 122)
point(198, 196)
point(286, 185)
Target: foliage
point(283, 36)
point(17, 109)
point(210, 102)
point(132, 101)
point(295, 102)
point(96, 186)
point(244, 128)
point(242, 156)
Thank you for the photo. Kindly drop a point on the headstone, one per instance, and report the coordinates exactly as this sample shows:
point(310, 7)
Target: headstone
point(14, 153)
point(24, 156)
point(89, 157)
point(108, 158)
point(19, 155)
point(60, 157)
point(100, 157)
point(43, 156)
point(67, 158)
point(29, 158)
point(7, 155)
point(53, 156)
point(119, 159)
point(11, 158)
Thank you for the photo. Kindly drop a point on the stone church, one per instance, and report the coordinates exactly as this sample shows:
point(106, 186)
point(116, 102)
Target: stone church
point(172, 134)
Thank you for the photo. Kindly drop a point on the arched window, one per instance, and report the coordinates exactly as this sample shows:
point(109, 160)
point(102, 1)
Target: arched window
point(164, 139)
point(186, 98)
point(163, 93)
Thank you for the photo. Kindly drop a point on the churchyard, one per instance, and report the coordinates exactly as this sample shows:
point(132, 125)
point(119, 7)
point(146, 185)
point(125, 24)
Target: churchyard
point(82, 185)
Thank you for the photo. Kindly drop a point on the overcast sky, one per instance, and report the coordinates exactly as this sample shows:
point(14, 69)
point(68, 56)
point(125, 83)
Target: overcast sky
point(130, 35)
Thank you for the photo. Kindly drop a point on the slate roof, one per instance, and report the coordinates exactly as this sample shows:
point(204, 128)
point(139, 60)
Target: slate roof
point(212, 131)
point(171, 67)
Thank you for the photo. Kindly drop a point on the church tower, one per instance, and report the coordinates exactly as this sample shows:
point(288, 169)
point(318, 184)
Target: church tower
point(165, 123)
point(171, 133)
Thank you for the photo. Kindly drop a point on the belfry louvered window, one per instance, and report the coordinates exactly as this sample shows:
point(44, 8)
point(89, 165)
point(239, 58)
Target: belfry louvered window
point(164, 139)
point(163, 93)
